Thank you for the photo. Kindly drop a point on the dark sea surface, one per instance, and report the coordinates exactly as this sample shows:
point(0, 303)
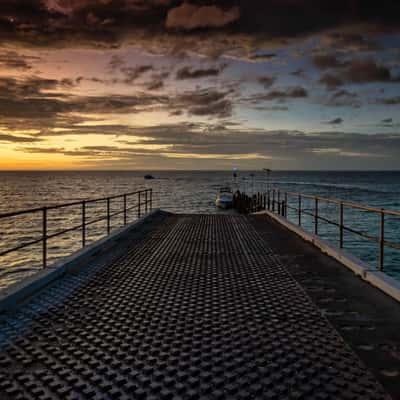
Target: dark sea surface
point(184, 192)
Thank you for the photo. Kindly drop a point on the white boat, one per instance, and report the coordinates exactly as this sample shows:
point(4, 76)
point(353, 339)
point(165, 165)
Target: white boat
point(224, 198)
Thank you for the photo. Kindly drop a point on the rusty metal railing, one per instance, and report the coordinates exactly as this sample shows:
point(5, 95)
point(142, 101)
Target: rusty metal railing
point(142, 205)
point(280, 201)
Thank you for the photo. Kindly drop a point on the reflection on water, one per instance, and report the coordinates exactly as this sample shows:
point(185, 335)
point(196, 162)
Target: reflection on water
point(185, 192)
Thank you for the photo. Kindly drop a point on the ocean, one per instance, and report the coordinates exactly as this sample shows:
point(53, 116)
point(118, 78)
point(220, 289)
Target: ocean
point(185, 192)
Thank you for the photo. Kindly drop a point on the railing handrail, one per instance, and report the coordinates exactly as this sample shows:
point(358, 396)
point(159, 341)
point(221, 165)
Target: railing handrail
point(342, 227)
point(338, 202)
point(84, 222)
point(63, 205)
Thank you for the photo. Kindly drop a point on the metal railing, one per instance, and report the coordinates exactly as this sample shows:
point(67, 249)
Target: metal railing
point(142, 205)
point(280, 201)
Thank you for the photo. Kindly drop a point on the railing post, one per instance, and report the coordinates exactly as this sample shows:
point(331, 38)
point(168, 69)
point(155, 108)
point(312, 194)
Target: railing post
point(44, 237)
point(269, 200)
point(145, 198)
point(151, 199)
point(138, 214)
point(316, 216)
point(108, 217)
point(382, 241)
point(279, 198)
point(299, 210)
point(125, 216)
point(83, 223)
point(341, 226)
point(273, 200)
point(286, 207)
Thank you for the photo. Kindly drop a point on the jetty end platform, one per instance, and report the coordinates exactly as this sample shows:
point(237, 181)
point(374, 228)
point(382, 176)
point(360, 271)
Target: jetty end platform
point(199, 307)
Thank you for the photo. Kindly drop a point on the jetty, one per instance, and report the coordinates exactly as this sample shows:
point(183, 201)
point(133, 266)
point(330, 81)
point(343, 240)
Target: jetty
point(200, 306)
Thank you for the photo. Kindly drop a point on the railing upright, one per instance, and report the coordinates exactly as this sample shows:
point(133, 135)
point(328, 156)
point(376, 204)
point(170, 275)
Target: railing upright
point(125, 216)
point(145, 199)
point(83, 223)
point(139, 205)
point(299, 210)
point(286, 205)
point(151, 199)
point(381, 240)
point(44, 237)
point(316, 217)
point(108, 217)
point(341, 225)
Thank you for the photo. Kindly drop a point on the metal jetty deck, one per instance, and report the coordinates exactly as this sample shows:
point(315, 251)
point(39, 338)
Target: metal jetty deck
point(198, 307)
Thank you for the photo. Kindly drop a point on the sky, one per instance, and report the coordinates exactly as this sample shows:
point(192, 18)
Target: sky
point(172, 84)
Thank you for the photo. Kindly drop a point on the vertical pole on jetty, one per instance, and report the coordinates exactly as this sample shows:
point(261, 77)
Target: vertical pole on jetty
point(151, 199)
point(269, 200)
point(273, 200)
point(83, 223)
point(286, 207)
point(316, 216)
point(381, 240)
point(138, 213)
point(108, 217)
point(125, 210)
point(145, 199)
point(299, 211)
point(279, 205)
point(341, 226)
point(44, 237)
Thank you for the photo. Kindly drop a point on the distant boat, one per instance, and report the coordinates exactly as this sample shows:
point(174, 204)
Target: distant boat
point(224, 198)
point(148, 176)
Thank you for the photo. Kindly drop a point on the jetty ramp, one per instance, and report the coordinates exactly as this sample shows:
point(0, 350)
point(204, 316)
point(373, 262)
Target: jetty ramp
point(184, 307)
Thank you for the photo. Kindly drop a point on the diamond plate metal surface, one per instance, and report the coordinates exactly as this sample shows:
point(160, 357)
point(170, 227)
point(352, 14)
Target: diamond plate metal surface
point(200, 309)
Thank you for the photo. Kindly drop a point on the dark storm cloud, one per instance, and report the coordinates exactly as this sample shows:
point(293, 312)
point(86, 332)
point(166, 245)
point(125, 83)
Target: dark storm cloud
point(109, 23)
point(189, 73)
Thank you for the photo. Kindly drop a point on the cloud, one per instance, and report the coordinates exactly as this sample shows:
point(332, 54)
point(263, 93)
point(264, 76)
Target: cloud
point(189, 73)
point(343, 98)
point(266, 81)
point(366, 71)
point(296, 92)
point(196, 141)
point(189, 16)
point(13, 60)
point(331, 81)
point(388, 101)
point(325, 61)
point(335, 121)
point(18, 139)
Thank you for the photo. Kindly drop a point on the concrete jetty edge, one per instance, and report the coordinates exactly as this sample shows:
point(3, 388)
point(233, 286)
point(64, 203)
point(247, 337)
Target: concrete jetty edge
point(12, 296)
point(376, 278)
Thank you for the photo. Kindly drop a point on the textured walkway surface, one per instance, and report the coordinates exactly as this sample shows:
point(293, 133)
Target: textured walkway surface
point(200, 309)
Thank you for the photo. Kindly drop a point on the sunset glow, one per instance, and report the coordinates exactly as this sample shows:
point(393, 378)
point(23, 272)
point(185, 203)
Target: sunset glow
point(165, 84)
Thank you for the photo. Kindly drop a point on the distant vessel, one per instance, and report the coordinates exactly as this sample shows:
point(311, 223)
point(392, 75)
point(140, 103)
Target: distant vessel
point(148, 176)
point(224, 198)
